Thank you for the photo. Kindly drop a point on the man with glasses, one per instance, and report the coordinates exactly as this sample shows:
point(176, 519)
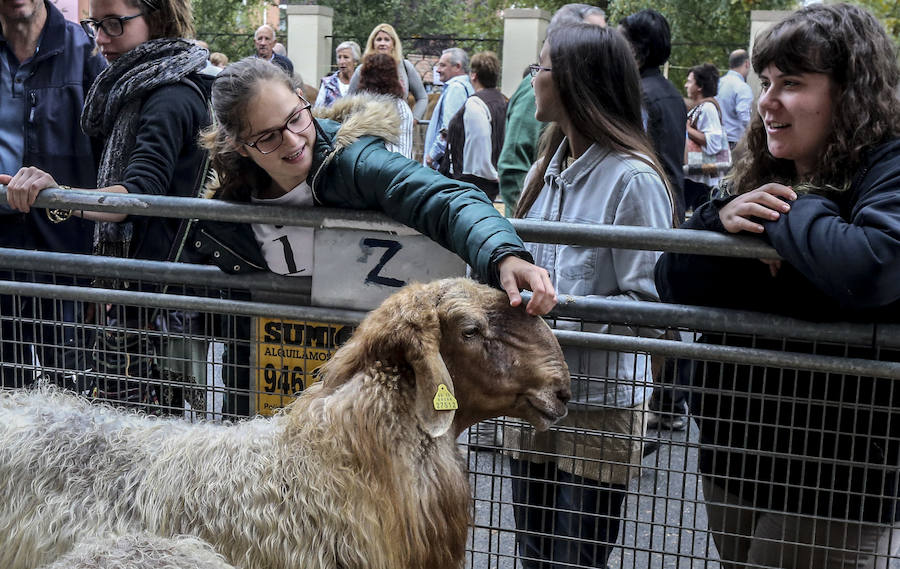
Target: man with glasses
point(47, 65)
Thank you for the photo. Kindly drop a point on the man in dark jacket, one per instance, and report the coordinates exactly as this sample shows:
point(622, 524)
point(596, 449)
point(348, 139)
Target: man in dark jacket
point(264, 38)
point(665, 120)
point(666, 114)
point(47, 66)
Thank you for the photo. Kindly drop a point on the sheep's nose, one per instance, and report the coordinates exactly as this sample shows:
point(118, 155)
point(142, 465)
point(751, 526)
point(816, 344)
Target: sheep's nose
point(564, 394)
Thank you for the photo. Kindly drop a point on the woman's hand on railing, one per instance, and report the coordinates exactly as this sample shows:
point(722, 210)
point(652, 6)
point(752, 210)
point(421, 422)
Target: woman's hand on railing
point(23, 188)
point(764, 202)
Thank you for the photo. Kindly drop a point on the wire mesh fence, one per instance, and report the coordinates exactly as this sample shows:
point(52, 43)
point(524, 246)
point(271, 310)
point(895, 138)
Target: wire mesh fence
point(696, 437)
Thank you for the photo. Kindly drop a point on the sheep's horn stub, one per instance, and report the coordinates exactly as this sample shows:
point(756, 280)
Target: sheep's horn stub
point(502, 360)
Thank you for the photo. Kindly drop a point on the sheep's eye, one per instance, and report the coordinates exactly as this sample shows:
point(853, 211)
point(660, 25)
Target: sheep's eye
point(470, 332)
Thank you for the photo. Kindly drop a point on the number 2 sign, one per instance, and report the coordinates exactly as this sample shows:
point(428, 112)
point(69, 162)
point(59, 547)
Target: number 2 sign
point(358, 269)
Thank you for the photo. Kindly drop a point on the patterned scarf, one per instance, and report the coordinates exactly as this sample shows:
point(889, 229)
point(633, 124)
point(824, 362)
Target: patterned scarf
point(112, 112)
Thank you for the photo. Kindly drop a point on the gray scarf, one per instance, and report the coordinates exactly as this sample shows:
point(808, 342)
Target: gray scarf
point(112, 112)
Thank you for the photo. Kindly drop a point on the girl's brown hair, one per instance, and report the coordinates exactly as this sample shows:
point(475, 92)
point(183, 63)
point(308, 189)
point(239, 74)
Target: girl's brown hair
point(167, 18)
point(379, 75)
point(239, 177)
point(604, 105)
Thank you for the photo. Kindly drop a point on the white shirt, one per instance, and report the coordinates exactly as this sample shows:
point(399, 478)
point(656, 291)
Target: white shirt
point(477, 150)
point(708, 123)
point(287, 249)
point(404, 145)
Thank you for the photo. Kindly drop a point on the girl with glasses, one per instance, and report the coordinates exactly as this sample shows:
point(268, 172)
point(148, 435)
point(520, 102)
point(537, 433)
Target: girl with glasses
point(146, 109)
point(267, 148)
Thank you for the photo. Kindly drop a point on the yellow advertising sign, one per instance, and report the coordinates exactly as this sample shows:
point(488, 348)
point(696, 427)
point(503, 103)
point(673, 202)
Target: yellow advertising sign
point(288, 354)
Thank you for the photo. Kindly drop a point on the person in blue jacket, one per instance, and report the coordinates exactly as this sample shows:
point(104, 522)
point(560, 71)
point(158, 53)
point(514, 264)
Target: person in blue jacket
point(47, 66)
point(267, 147)
point(146, 108)
point(802, 469)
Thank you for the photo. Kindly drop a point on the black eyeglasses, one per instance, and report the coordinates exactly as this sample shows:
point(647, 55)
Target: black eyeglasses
point(534, 69)
point(298, 122)
point(112, 26)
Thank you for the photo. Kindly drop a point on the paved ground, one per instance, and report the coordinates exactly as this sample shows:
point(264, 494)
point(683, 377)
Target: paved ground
point(664, 526)
point(665, 522)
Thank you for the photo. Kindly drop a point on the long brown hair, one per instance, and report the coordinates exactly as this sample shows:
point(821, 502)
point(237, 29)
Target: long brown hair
point(848, 44)
point(167, 18)
point(604, 104)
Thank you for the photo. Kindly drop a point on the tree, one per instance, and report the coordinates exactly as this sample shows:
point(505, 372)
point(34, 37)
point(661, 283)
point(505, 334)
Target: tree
point(235, 40)
point(702, 30)
point(888, 11)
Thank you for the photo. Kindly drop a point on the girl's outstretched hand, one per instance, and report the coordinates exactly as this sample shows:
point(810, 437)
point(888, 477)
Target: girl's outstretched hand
point(516, 273)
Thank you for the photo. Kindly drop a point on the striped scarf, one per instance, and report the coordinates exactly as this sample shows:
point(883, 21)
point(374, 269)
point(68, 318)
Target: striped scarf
point(112, 113)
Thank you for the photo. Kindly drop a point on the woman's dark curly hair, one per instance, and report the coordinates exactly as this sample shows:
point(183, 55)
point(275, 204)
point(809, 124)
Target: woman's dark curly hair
point(848, 44)
point(379, 75)
point(706, 76)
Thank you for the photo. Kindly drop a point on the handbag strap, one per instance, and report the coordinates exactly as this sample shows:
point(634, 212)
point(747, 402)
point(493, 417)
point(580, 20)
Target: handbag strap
point(694, 113)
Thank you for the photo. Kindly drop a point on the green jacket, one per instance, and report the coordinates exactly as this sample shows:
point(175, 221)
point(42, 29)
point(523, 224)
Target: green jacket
point(352, 169)
point(520, 145)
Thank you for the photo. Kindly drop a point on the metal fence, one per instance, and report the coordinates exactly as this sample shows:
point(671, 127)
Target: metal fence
point(205, 345)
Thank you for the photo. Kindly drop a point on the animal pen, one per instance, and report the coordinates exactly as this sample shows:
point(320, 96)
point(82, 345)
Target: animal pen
point(229, 346)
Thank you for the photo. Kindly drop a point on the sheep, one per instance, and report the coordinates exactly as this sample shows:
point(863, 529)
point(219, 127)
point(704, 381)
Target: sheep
point(141, 551)
point(361, 471)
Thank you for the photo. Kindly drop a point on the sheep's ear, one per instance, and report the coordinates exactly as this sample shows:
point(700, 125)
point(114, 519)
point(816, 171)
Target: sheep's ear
point(435, 401)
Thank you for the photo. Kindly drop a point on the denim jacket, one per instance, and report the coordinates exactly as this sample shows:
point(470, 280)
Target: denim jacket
point(602, 187)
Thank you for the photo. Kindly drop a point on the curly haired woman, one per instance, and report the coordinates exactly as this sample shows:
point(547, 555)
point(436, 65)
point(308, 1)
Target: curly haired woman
point(802, 469)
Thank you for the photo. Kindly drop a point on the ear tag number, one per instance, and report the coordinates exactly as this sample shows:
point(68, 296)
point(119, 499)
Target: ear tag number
point(444, 400)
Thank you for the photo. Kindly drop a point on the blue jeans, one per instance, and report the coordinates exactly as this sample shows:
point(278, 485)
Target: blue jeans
point(563, 519)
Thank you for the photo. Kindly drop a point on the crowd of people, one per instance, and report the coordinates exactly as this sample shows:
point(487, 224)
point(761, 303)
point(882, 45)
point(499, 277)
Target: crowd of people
point(802, 471)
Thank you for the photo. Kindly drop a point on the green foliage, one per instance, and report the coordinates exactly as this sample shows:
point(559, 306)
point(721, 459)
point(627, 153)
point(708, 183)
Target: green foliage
point(480, 19)
point(888, 11)
point(354, 19)
point(702, 30)
point(227, 25)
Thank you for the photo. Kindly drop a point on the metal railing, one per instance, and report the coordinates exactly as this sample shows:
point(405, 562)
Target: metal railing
point(664, 520)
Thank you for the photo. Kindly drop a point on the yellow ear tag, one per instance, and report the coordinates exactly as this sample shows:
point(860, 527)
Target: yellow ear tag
point(444, 400)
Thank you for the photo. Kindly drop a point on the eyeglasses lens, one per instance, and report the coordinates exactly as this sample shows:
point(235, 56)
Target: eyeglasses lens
point(298, 123)
point(112, 27)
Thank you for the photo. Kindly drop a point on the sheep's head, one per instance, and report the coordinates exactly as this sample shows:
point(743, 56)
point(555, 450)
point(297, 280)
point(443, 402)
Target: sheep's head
point(496, 360)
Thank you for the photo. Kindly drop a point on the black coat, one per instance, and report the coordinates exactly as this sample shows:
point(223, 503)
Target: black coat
point(666, 126)
point(792, 440)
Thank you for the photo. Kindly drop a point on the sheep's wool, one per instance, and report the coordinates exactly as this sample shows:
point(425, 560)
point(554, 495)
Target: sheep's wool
point(361, 471)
